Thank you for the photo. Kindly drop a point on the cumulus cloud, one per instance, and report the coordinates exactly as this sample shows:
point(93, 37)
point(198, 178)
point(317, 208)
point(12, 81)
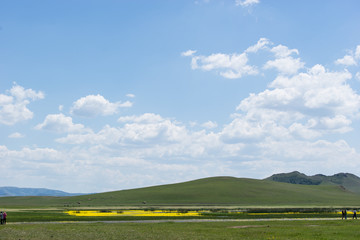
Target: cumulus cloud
point(94, 105)
point(144, 118)
point(280, 128)
point(261, 44)
point(13, 106)
point(237, 65)
point(229, 65)
point(209, 125)
point(246, 3)
point(346, 60)
point(284, 62)
point(306, 105)
point(188, 53)
point(350, 59)
point(357, 52)
point(152, 136)
point(16, 135)
point(146, 129)
point(60, 123)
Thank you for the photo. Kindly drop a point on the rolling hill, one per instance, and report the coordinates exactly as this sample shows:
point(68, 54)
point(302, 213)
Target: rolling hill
point(347, 181)
point(219, 191)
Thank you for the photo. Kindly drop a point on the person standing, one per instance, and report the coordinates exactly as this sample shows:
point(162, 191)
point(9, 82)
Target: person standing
point(345, 214)
point(354, 216)
point(2, 217)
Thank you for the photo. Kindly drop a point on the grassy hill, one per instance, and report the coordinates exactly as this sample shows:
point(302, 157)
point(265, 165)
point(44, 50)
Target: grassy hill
point(209, 191)
point(345, 180)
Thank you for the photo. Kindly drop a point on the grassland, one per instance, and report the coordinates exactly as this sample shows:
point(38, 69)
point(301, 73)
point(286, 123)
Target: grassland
point(194, 230)
point(51, 215)
point(219, 191)
point(233, 202)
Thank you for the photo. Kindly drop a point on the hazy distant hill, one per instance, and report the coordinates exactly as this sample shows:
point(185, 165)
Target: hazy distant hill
point(15, 191)
point(348, 181)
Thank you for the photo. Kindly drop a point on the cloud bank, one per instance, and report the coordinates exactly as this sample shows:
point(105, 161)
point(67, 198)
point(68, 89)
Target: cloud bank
point(297, 122)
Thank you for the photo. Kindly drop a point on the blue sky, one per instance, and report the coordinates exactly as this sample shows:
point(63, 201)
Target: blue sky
point(110, 95)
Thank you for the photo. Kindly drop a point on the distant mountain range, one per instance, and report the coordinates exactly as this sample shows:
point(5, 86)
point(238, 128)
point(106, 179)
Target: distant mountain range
point(347, 181)
point(15, 191)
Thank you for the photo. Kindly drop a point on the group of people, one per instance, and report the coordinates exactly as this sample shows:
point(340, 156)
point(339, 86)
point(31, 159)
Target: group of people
point(3, 217)
point(344, 214)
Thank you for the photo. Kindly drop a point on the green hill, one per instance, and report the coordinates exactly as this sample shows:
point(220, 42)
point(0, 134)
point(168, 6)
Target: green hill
point(345, 180)
point(218, 191)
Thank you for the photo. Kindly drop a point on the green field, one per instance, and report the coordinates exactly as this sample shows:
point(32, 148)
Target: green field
point(217, 191)
point(169, 230)
point(53, 215)
point(235, 204)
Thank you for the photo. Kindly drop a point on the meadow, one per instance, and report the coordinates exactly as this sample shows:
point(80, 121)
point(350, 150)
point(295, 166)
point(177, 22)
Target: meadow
point(333, 229)
point(131, 214)
point(218, 208)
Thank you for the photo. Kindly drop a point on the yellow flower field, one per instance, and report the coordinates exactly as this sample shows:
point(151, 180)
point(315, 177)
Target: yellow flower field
point(139, 213)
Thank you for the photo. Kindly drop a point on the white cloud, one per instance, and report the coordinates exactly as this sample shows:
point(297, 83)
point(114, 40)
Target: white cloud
point(339, 122)
point(357, 52)
point(144, 118)
point(60, 123)
point(261, 44)
point(21, 94)
point(284, 63)
point(209, 125)
point(346, 60)
point(307, 105)
point(94, 105)
point(13, 107)
point(246, 3)
point(237, 65)
point(130, 95)
point(357, 76)
point(287, 65)
point(230, 66)
point(350, 59)
point(281, 128)
point(188, 53)
point(146, 129)
point(16, 135)
point(282, 51)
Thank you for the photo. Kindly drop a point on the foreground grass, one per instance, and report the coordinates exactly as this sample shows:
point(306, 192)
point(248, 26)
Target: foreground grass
point(335, 229)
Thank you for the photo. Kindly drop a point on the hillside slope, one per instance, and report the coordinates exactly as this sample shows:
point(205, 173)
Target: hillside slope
point(348, 181)
point(218, 191)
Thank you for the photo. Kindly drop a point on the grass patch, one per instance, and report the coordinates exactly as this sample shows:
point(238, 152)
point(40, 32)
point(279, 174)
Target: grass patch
point(210, 230)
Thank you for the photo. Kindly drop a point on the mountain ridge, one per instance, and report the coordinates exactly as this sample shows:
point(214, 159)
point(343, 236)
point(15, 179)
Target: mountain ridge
point(8, 191)
point(348, 181)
